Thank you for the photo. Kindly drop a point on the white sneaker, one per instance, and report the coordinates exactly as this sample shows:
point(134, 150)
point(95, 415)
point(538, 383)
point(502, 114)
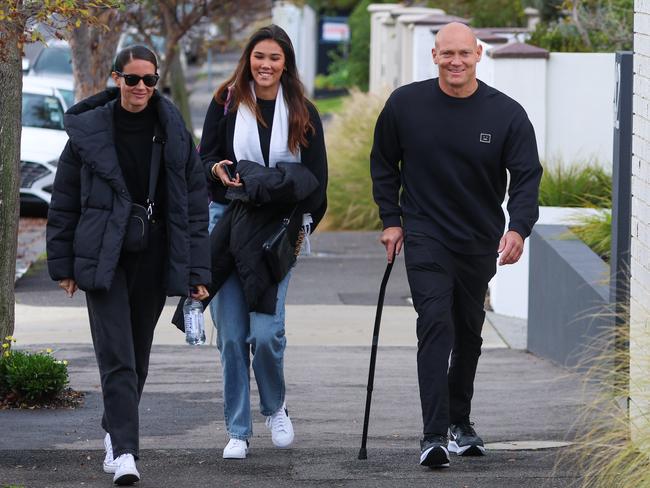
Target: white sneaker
point(110, 465)
point(235, 449)
point(281, 427)
point(126, 472)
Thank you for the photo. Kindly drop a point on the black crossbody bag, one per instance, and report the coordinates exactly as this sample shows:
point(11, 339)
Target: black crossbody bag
point(278, 250)
point(138, 226)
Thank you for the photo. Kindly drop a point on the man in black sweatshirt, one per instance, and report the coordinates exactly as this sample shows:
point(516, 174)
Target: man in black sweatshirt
point(455, 137)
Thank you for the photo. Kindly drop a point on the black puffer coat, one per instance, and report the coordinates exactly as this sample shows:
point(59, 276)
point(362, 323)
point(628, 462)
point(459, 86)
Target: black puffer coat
point(91, 205)
point(254, 214)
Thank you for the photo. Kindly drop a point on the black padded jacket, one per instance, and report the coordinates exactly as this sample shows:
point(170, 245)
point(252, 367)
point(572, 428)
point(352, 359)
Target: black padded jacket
point(90, 204)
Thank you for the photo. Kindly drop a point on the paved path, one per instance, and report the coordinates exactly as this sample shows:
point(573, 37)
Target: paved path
point(518, 397)
point(331, 305)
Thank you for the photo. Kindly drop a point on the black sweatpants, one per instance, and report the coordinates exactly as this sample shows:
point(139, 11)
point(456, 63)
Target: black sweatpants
point(448, 291)
point(122, 322)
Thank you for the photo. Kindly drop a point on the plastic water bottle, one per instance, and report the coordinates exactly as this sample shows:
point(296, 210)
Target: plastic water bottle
point(194, 326)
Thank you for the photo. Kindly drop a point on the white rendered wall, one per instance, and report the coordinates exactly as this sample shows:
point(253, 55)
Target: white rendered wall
point(379, 13)
point(422, 60)
point(301, 25)
point(406, 61)
point(580, 114)
point(525, 81)
point(640, 257)
point(509, 287)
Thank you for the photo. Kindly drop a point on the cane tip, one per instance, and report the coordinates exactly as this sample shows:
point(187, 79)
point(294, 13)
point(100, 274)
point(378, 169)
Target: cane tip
point(363, 454)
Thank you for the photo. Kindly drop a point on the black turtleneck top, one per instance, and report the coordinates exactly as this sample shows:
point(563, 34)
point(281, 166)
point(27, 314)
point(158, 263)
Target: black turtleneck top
point(267, 109)
point(133, 141)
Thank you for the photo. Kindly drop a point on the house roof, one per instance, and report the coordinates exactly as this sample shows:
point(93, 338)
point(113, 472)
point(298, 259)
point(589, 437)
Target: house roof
point(518, 50)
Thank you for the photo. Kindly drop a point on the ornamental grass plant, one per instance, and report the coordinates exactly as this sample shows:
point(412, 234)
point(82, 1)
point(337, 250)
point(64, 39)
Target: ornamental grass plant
point(612, 447)
point(575, 185)
point(596, 232)
point(348, 137)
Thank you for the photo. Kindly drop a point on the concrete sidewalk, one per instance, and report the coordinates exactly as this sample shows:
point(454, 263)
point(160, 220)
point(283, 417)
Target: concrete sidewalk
point(518, 398)
point(524, 407)
point(520, 402)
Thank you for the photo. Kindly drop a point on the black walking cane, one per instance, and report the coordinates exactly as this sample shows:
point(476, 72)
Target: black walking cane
point(363, 454)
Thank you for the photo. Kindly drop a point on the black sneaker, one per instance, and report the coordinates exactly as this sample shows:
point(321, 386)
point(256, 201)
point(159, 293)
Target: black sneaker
point(433, 452)
point(464, 441)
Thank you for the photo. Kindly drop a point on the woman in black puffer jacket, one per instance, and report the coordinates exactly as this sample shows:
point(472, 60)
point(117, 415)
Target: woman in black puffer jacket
point(103, 174)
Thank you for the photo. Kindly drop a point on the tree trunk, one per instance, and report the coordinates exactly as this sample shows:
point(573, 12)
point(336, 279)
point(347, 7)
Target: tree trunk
point(10, 128)
point(93, 49)
point(172, 73)
point(179, 90)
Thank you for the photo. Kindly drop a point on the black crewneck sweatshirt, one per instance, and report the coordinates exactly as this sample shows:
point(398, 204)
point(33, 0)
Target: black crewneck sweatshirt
point(454, 153)
point(133, 141)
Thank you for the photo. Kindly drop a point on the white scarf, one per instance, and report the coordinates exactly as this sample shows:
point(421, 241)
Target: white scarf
point(246, 144)
point(246, 141)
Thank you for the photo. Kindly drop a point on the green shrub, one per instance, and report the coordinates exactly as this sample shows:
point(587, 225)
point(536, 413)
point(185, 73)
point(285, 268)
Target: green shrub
point(575, 186)
point(359, 59)
point(349, 140)
point(596, 232)
point(497, 13)
point(330, 105)
point(338, 73)
point(558, 36)
point(31, 377)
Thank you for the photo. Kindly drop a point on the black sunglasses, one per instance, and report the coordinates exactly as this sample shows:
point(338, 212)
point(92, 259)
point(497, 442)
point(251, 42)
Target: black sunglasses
point(132, 80)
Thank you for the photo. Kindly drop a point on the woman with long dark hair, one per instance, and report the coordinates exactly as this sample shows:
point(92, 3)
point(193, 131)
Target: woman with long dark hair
point(128, 225)
point(259, 118)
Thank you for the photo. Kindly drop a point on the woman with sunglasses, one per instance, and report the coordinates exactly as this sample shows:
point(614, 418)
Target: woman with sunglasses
point(259, 117)
point(105, 172)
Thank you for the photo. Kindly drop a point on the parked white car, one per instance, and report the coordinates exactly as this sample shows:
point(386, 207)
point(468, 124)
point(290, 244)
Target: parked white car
point(42, 141)
point(64, 85)
point(53, 60)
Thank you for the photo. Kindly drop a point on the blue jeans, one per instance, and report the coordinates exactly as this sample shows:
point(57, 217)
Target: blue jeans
point(241, 333)
point(216, 212)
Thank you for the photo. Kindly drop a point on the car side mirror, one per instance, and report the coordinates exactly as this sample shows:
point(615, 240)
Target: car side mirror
point(25, 66)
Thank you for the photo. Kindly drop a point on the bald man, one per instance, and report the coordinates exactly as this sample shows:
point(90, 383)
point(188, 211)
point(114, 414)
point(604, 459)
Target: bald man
point(442, 150)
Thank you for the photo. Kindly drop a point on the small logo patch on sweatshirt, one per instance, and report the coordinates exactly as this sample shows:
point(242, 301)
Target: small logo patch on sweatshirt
point(485, 138)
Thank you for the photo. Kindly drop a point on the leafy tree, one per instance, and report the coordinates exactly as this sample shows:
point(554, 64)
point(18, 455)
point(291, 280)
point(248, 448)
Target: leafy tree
point(359, 57)
point(179, 18)
point(549, 10)
point(496, 13)
point(19, 20)
point(589, 25)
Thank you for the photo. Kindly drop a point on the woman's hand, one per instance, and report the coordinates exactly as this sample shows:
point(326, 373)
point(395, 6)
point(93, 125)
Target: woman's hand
point(69, 285)
point(200, 293)
point(219, 172)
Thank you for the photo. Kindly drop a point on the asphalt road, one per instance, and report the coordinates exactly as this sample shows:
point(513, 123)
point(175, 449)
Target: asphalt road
point(345, 269)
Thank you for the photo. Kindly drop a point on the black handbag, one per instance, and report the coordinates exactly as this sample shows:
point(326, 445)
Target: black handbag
point(138, 226)
point(278, 250)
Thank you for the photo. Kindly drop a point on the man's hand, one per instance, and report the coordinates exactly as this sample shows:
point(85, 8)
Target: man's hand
point(392, 238)
point(69, 285)
point(511, 247)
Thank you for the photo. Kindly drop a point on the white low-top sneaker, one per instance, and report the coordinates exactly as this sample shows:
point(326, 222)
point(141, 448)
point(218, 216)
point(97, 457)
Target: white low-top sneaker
point(126, 472)
point(110, 465)
point(235, 449)
point(281, 427)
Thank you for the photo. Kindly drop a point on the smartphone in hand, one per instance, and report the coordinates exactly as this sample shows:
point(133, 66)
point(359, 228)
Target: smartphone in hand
point(230, 171)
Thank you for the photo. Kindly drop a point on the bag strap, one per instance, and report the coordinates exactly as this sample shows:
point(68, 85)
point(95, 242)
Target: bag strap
point(156, 157)
point(289, 218)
